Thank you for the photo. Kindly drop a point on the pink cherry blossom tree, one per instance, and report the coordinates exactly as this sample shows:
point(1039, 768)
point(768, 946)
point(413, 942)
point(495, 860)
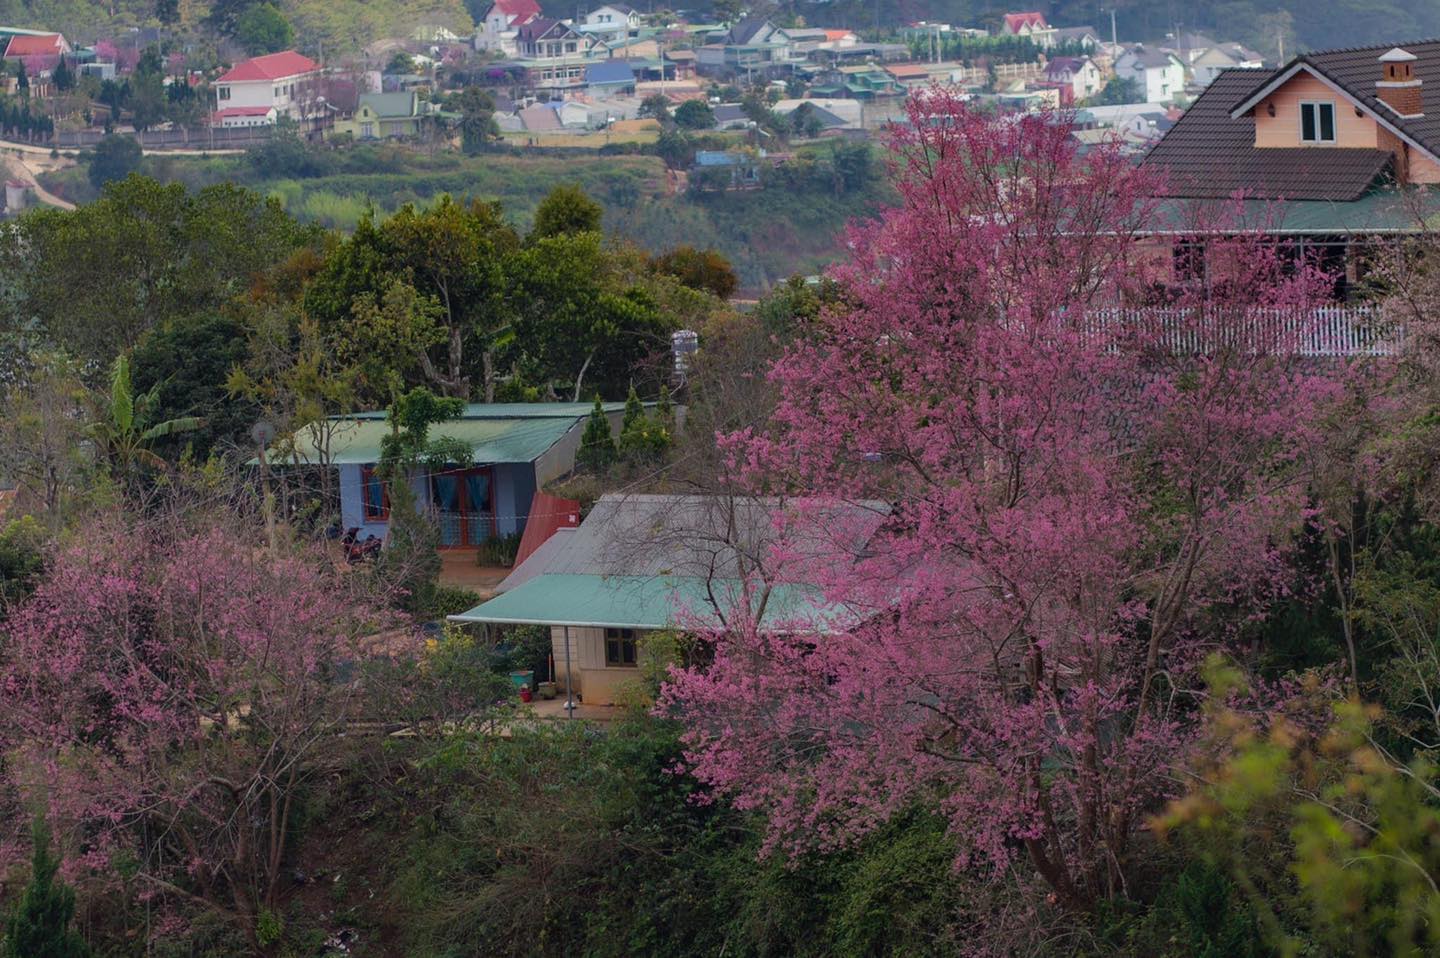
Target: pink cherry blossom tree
point(1083, 497)
point(166, 695)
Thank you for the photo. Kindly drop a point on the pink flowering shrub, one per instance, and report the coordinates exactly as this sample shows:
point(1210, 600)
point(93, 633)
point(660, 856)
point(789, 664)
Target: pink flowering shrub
point(1082, 502)
point(167, 694)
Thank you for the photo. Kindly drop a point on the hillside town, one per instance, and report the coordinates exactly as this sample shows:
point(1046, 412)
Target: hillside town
point(611, 74)
point(487, 479)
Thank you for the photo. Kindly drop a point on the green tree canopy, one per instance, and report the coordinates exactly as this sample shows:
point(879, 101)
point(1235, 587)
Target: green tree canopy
point(263, 29)
point(115, 157)
point(695, 115)
point(566, 210)
point(40, 925)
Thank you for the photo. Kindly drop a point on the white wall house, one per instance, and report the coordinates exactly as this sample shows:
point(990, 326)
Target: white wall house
point(496, 31)
point(614, 21)
point(1159, 75)
point(259, 91)
point(1079, 73)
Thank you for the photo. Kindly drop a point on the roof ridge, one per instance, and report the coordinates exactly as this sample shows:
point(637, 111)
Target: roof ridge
point(1363, 46)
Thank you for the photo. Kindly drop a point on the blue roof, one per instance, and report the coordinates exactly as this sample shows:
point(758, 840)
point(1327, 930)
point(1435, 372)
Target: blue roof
point(609, 71)
point(715, 158)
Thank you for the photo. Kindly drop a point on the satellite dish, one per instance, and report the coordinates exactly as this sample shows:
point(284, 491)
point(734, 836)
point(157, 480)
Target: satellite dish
point(262, 433)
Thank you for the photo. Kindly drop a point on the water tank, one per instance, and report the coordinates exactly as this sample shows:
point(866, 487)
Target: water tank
point(15, 195)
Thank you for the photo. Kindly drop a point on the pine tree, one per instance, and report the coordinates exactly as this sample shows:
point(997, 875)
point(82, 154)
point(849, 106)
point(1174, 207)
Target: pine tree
point(39, 927)
point(634, 412)
point(597, 445)
point(664, 411)
point(63, 76)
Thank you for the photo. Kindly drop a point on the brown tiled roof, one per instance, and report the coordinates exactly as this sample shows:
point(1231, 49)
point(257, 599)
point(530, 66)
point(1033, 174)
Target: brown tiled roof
point(1355, 70)
point(1208, 155)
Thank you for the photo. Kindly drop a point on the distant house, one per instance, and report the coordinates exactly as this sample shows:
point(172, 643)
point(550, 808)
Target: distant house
point(731, 116)
point(1087, 38)
point(383, 116)
point(610, 77)
point(1159, 75)
point(613, 21)
point(258, 91)
point(516, 448)
point(1079, 76)
point(21, 46)
point(642, 563)
point(546, 39)
point(753, 45)
point(839, 40)
point(496, 30)
point(719, 170)
point(1208, 63)
point(1029, 24)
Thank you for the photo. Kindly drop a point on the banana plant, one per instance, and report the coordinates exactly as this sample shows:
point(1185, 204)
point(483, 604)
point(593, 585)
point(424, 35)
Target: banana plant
point(125, 434)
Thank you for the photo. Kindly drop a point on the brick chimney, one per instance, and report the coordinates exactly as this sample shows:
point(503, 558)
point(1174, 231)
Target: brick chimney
point(1398, 87)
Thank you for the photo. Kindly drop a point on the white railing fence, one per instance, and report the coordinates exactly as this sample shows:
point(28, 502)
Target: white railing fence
point(1320, 331)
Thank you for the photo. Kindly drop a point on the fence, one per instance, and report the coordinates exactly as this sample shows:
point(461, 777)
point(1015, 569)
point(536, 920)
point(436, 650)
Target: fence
point(210, 138)
point(1322, 331)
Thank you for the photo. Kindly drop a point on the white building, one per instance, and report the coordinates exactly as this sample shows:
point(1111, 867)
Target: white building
point(496, 31)
point(1159, 75)
point(1080, 74)
point(1206, 65)
point(613, 21)
point(259, 91)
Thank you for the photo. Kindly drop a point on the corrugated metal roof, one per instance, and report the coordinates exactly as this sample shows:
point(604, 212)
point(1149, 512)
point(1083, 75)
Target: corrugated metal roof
point(490, 440)
point(709, 536)
point(646, 602)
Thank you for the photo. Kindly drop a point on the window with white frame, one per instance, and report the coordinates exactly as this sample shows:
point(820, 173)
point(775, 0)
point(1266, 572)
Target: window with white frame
point(1317, 122)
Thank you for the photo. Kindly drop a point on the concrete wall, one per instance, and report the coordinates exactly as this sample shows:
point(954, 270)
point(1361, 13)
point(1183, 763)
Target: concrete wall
point(514, 488)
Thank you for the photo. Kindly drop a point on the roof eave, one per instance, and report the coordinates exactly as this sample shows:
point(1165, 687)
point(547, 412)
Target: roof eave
point(1301, 64)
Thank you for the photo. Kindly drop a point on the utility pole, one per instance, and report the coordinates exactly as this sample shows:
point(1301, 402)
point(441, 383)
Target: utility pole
point(1114, 36)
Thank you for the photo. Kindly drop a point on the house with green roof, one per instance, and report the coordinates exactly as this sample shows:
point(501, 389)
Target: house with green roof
point(516, 448)
point(384, 116)
point(641, 563)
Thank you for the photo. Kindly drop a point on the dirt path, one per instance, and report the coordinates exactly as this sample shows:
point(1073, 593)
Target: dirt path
point(20, 169)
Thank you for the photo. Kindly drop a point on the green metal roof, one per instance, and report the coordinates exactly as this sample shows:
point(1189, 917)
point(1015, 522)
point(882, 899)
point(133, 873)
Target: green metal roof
point(648, 602)
point(490, 440)
point(495, 433)
point(1380, 211)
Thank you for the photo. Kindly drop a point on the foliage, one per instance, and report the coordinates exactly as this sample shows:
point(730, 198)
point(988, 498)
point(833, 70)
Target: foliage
point(1118, 90)
point(656, 106)
point(1015, 536)
point(114, 158)
point(262, 29)
point(42, 434)
point(128, 426)
point(1333, 838)
point(40, 924)
point(183, 366)
point(22, 559)
point(141, 256)
point(699, 269)
point(178, 687)
point(695, 115)
point(643, 437)
point(597, 442)
point(566, 210)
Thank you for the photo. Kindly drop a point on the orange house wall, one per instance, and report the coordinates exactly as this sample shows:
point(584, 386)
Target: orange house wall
point(1283, 129)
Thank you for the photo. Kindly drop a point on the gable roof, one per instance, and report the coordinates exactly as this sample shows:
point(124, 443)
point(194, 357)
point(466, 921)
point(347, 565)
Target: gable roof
point(518, 9)
point(609, 71)
point(1210, 154)
point(1150, 58)
point(1033, 19)
point(746, 30)
point(1353, 71)
point(1076, 33)
point(48, 44)
point(539, 118)
point(273, 66)
point(391, 104)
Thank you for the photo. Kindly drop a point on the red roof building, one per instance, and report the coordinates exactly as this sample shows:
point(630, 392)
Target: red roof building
point(258, 91)
point(274, 66)
point(1031, 21)
point(44, 45)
